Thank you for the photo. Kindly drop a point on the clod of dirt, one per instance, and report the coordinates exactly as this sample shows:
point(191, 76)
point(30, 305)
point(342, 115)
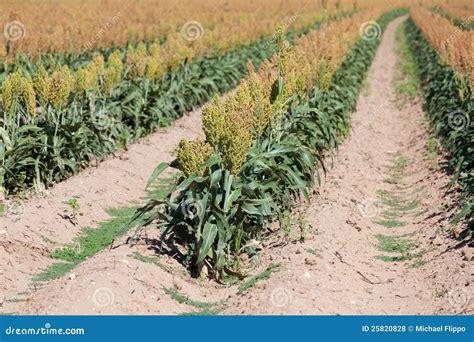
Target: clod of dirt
point(467, 254)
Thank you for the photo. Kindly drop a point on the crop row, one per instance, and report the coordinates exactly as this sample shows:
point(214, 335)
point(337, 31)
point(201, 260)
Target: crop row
point(453, 45)
point(159, 53)
point(462, 17)
point(264, 145)
point(450, 106)
point(55, 124)
point(78, 26)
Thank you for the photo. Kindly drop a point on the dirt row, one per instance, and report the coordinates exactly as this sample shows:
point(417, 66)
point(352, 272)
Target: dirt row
point(35, 227)
point(374, 240)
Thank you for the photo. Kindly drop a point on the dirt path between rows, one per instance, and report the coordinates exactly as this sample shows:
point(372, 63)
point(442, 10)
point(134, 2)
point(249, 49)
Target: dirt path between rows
point(382, 175)
point(39, 225)
point(377, 235)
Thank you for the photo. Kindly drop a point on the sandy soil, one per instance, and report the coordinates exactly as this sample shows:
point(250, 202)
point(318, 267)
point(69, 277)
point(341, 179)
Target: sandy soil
point(335, 270)
point(39, 225)
point(342, 274)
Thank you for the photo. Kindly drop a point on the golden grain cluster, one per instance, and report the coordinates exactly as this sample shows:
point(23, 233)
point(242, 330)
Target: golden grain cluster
point(50, 26)
point(460, 13)
point(76, 25)
point(460, 10)
point(455, 46)
point(231, 125)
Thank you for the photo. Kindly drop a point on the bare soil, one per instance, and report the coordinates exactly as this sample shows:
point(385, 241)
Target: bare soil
point(384, 187)
point(41, 224)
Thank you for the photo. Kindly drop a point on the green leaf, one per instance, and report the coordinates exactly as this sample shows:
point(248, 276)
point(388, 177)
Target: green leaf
point(209, 234)
point(158, 170)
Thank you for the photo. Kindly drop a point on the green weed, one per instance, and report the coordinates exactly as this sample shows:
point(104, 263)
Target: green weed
point(390, 223)
point(262, 276)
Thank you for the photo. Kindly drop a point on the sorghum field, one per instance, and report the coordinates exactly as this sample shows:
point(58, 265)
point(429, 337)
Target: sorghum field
point(222, 157)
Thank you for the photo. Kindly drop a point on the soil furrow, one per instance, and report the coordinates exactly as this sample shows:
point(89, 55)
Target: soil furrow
point(375, 237)
point(117, 182)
